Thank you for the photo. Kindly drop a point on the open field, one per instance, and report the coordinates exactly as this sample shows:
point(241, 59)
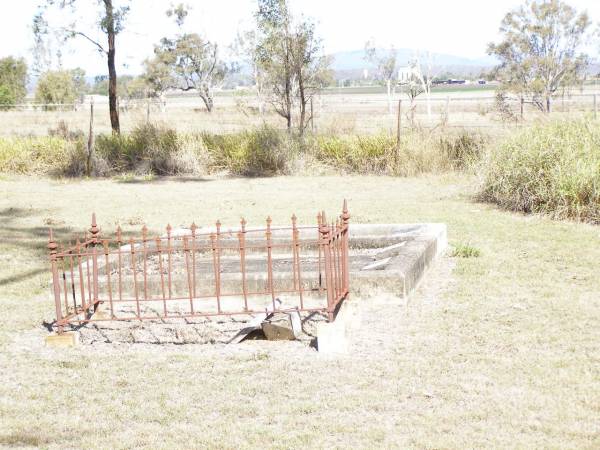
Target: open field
point(499, 350)
point(338, 111)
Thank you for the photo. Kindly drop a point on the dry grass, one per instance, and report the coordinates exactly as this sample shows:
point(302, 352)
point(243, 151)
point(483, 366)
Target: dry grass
point(335, 113)
point(502, 351)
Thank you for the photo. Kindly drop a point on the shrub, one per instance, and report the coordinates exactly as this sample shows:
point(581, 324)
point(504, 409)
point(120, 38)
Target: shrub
point(264, 151)
point(419, 152)
point(33, 155)
point(462, 150)
point(56, 87)
point(552, 168)
point(148, 149)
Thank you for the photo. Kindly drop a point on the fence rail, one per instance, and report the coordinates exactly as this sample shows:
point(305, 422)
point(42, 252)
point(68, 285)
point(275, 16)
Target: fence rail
point(194, 273)
point(344, 113)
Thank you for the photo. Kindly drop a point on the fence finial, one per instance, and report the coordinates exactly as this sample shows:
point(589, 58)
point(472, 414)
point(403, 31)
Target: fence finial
point(119, 234)
point(52, 245)
point(345, 214)
point(269, 220)
point(94, 230)
point(193, 228)
point(243, 224)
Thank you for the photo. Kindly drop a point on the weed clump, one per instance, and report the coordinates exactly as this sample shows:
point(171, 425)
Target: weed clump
point(552, 169)
point(463, 250)
point(418, 152)
point(261, 152)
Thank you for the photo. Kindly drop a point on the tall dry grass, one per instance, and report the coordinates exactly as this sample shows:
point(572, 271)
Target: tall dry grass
point(262, 151)
point(552, 168)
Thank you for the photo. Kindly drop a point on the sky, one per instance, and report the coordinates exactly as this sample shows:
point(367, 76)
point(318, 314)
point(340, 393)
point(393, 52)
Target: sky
point(455, 27)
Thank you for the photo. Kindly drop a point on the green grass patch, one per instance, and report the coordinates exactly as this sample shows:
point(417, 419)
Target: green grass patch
point(465, 250)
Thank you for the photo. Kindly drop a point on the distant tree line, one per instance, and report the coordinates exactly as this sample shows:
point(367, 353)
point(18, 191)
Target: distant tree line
point(541, 52)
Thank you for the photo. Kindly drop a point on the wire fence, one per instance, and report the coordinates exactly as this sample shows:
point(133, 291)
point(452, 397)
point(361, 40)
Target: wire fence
point(330, 113)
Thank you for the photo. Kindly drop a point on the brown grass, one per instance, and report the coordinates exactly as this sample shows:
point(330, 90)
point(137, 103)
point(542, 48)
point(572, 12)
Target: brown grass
point(495, 351)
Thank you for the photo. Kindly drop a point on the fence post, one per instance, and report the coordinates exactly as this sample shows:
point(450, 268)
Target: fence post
point(53, 249)
point(95, 232)
point(447, 110)
point(399, 129)
point(595, 106)
point(148, 111)
point(522, 108)
point(325, 231)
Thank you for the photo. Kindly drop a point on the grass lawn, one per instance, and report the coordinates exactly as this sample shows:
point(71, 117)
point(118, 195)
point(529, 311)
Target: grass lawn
point(499, 350)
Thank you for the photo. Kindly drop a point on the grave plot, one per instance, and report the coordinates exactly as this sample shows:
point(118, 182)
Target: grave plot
point(218, 284)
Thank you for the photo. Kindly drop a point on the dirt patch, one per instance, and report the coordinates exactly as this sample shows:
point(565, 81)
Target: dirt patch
point(182, 331)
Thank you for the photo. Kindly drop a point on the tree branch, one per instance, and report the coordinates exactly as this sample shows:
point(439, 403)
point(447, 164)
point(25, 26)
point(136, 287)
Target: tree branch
point(79, 33)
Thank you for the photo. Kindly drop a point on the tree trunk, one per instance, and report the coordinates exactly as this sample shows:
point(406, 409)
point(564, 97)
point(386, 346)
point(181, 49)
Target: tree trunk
point(207, 99)
point(548, 104)
point(112, 72)
point(288, 102)
point(302, 104)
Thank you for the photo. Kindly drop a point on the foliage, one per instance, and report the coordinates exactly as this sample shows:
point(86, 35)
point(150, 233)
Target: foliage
point(13, 80)
point(111, 20)
point(419, 152)
point(186, 62)
point(264, 151)
point(261, 152)
point(288, 53)
point(462, 250)
point(552, 168)
point(59, 87)
point(32, 155)
point(540, 50)
point(128, 86)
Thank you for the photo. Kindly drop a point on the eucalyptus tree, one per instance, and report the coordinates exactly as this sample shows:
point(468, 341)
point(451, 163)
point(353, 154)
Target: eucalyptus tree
point(186, 62)
point(13, 80)
point(541, 50)
point(289, 55)
point(110, 21)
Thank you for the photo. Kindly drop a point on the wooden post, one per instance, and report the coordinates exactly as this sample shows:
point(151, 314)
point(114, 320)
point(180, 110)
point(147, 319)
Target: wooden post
point(399, 129)
point(522, 108)
point(595, 106)
point(447, 110)
point(90, 143)
point(148, 111)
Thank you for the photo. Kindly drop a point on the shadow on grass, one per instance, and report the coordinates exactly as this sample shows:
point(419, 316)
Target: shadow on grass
point(21, 276)
point(27, 244)
point(159, 180)
point(24, 439)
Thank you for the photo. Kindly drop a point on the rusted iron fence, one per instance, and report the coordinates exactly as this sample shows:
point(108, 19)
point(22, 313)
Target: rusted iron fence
point(199, 273)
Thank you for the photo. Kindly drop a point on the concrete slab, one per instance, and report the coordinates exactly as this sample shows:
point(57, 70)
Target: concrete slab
point(64, 340)
point(332, 338)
